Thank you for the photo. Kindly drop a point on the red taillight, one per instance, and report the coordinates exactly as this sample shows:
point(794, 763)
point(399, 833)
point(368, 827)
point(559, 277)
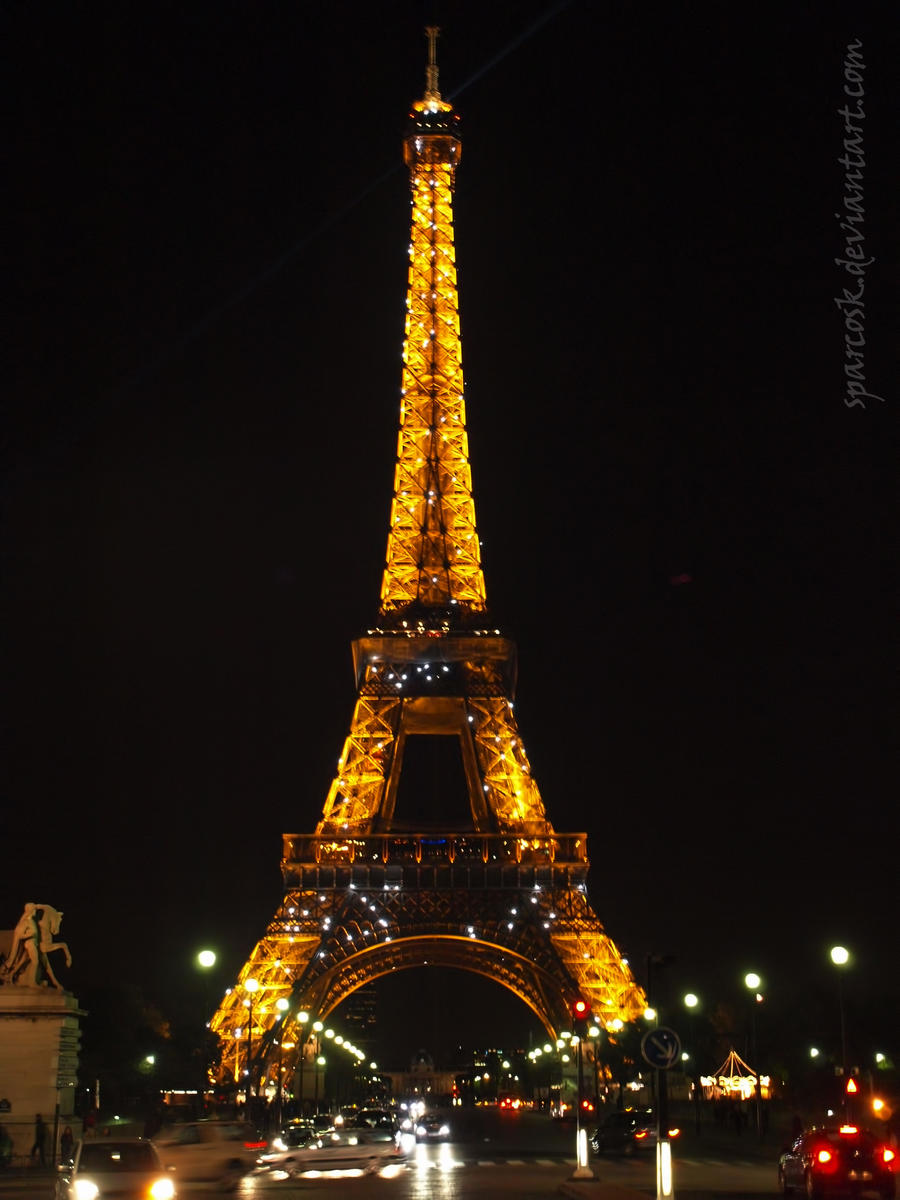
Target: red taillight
point(674, 1133)
point(888, 1155)
point(848, 1129)
point(826, 1161)
point(639, 1134)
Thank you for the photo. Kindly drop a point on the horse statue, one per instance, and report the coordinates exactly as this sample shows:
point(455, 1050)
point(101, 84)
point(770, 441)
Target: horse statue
point(27, 946)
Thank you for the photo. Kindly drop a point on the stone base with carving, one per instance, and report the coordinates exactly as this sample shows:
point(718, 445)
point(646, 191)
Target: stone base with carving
point(40, 1033)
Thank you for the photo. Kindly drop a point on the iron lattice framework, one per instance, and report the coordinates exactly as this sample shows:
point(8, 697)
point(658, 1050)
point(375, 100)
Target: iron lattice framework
point(507, 898)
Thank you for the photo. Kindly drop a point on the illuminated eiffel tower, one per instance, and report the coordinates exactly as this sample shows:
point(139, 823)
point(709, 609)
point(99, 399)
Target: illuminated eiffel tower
point(506, 897)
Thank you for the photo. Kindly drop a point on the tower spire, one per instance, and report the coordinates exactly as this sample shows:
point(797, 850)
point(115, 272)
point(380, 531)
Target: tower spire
point(431, 71)
point(432, 567)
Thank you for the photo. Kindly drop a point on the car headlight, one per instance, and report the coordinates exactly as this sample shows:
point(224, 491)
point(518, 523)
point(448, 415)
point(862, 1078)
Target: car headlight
point(162, 1188)
point(445, 1129)
point(85, 1189)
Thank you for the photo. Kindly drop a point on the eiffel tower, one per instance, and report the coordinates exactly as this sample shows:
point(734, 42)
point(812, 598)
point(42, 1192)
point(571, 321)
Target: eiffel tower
point(506, 896)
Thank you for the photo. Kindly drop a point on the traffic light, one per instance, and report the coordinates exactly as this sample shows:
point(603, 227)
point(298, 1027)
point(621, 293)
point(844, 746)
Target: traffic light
point(581, 1012)
point(852, 1086)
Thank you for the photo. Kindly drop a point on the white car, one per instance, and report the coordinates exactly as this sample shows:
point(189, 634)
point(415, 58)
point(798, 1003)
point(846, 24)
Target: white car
point(300, 1150)
point(107, 1167)
point(220, 1152)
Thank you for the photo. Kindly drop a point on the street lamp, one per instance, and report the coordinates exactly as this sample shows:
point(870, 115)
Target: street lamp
point(205, 960)
point(691, 1002)
point(302, 1018)
point(840, 956)
point(317, 1029)
point(282, 1005)
point(251, 987)
point(753, 982)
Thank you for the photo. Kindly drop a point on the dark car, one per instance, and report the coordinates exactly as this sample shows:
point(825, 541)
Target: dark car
point(626, 1132)
point(432, 1128)
point(838, 1158)
point(114, 1167)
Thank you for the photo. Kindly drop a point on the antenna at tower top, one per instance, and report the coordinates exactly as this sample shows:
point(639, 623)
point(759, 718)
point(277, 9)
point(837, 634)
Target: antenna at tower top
point(431, 71)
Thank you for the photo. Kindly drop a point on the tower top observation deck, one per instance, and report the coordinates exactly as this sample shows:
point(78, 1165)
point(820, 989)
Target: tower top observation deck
point(433, 134)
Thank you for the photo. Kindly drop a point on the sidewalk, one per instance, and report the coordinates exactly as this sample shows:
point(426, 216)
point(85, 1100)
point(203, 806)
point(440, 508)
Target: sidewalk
point(28, 1178)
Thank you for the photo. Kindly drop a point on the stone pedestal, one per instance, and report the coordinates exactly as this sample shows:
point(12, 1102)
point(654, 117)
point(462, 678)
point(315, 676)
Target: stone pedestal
point(40, 1034)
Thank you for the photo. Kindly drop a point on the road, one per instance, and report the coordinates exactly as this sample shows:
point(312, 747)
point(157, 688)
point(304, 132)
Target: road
point(509, 1156)
point(526, 1156)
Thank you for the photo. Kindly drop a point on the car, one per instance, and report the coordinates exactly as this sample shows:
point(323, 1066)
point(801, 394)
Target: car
point(114, 1167)
point(374, 1118)
point(210, 1151)
point(432, 1128)
point(838, 1158)
point(302, 1150)
point(628, 1131)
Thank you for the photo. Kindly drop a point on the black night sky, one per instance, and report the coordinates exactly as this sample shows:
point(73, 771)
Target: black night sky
point(689, 533)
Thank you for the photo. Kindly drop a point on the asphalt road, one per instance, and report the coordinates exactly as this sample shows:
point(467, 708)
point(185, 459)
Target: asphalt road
point(519, 1156)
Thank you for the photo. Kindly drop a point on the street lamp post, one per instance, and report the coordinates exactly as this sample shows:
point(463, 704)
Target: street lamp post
point(594, 1035)
point(691, 1001)
point(282, 1005)
point(753, 982)
point(251, 987)
point(302, 1018)
point(840, 956)
point(317, 1029)
point(206, 960)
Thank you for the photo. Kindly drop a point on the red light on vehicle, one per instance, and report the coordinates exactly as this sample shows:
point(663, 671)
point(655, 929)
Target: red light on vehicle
point(824, 1156)
point(887, 1154)
point(674, 1133)
point(852, 1088)
point(640, 1134)
point(848, 1129)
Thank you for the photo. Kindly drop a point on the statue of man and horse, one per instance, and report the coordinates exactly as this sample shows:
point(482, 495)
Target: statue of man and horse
point(26, 948)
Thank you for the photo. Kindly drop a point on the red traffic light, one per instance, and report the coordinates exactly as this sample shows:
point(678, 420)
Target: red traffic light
point(581, 1010)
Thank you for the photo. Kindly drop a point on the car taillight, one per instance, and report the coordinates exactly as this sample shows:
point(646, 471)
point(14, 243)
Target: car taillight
point(639, 1134)
point(674, 1133)
point(887, 1155)
point(823, 1156)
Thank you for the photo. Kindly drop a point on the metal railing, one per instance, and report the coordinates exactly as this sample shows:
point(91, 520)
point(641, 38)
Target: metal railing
point(560, 849)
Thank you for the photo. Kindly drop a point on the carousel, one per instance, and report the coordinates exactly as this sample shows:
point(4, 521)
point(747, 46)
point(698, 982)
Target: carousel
point(734, 1080)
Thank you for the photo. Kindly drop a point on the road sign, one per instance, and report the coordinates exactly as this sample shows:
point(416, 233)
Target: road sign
point(661, 1047)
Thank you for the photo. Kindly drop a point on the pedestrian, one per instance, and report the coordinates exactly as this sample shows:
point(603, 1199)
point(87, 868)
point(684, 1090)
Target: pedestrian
point(40, 1140)
point(66, 1145)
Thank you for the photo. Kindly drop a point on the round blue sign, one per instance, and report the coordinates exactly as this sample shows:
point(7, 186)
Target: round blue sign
point(661, 1047)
